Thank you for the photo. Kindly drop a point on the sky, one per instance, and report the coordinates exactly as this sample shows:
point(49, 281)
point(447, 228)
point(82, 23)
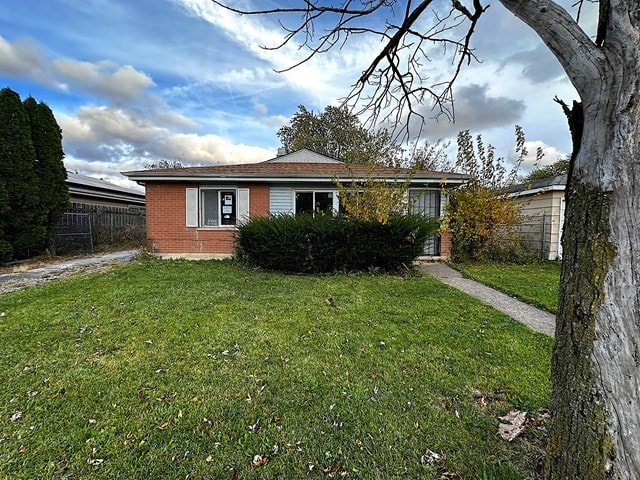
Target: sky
point(136, 82)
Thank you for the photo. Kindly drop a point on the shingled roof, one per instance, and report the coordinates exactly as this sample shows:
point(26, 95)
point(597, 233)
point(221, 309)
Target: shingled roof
point(279, 169)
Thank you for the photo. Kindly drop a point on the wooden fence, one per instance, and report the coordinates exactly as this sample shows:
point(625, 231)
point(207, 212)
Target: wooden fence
point(86, 226)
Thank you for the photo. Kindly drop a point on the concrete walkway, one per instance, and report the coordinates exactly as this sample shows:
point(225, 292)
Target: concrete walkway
point(538, 320)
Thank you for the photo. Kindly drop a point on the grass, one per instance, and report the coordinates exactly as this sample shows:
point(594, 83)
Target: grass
point(192, 369)
point(536, 284)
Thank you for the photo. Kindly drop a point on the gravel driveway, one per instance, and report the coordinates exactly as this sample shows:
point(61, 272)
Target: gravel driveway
point(30, 277)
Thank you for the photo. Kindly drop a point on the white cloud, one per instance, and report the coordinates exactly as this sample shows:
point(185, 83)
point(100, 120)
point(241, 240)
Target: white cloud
point(324, 79)
point(22, 60)
point(99, 133)
point(105, 79)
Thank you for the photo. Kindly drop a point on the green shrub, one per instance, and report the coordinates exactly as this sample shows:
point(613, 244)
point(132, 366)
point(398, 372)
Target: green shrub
point(305, 244)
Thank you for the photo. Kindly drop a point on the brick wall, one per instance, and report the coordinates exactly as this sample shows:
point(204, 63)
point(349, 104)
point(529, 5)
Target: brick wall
point(167, 233)
point(445, 244)
point(258, 198)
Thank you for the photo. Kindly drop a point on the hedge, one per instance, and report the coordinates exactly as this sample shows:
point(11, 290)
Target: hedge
point(321, 244)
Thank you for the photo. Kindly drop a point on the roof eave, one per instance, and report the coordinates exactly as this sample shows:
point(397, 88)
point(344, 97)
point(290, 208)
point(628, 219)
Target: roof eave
point(199, 177)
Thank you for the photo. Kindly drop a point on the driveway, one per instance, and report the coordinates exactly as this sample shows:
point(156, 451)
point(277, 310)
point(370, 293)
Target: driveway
point(29, 277)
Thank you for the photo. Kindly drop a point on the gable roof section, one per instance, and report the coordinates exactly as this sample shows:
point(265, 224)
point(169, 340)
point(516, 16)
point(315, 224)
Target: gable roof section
point(303, 155)
point(300, 166)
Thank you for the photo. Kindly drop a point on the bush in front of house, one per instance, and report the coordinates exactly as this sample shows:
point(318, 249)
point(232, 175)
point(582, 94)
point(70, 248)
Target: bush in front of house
point(304, 244)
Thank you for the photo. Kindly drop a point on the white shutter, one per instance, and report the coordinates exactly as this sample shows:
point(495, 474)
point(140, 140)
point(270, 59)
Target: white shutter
point(192, 207)
point(443, 204)
point(243, 205)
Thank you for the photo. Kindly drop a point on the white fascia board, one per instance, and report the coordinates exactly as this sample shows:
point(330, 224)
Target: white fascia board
point(534, 191)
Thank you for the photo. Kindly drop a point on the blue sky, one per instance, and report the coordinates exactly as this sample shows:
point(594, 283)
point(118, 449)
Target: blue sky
point(135, 82)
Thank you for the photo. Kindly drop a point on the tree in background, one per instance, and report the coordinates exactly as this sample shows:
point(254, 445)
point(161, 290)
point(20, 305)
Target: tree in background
point(164, 165)
point(336, 133)
point(23, 226)
point(46, 137)
point(561, 167)
point(479, 213)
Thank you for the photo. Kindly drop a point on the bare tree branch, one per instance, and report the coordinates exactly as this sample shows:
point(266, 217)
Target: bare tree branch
point(396, 85)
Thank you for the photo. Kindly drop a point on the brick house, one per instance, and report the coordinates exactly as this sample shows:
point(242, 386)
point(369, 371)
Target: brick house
point(192, 212)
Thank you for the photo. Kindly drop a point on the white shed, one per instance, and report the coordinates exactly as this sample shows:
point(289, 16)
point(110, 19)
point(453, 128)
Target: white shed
point(543, 206)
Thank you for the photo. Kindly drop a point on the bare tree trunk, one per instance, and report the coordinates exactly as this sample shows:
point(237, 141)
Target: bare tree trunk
point(596, 361)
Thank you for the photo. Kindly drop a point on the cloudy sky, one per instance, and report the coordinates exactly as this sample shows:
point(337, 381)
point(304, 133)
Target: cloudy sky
point(135, 82)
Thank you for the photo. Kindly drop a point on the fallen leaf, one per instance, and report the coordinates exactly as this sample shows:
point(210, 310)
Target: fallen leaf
point(513, 426)
point(255, 428)
point(259, 461)
point(430, 457)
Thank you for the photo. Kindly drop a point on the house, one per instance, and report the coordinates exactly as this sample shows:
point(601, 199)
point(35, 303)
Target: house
point(99, 212)
point(193, 212)
point(543, 207)
point(88, 191)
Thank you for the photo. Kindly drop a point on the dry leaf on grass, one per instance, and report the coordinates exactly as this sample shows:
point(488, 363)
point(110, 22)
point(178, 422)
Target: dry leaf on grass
point(259, 461)
point(513, 425)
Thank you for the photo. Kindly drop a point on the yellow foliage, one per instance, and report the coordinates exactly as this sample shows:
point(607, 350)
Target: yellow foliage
point(481, 216)
point(373, 199)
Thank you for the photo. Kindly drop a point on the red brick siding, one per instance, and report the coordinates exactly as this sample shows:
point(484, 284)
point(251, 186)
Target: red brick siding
point(258, 198)
point(166, 221)
point(445, 244)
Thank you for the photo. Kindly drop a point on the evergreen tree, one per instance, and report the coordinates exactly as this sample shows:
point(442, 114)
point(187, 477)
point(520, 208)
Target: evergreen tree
point(17, 157)
point(6, 250)
point(46, 137)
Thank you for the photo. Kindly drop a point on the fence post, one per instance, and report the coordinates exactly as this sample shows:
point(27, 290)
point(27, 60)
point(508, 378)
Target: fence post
point(544, 233)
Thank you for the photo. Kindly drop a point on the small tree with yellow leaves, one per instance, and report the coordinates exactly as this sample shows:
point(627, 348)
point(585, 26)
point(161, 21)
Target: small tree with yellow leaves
point(480, 214)
point(374, 199)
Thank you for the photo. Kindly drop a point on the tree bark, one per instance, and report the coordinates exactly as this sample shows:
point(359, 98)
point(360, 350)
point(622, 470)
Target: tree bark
point(596, 360)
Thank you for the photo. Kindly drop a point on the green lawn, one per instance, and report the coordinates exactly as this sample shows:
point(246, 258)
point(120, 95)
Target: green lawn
point(180, 370)
point(536, 284)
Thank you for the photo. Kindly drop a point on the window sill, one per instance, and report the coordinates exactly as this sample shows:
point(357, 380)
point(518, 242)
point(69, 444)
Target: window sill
point(222, 227)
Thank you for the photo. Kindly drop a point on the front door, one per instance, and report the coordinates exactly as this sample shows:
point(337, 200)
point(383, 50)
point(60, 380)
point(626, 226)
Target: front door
point(427, 204)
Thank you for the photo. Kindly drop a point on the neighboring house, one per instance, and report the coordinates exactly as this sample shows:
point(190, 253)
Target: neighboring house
point(543, 215)
point(99, 213)
point(91, 191)
point(193, 212)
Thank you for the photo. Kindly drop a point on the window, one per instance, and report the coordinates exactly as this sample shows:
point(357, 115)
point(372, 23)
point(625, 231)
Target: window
point(216, 207)
point(316, 202)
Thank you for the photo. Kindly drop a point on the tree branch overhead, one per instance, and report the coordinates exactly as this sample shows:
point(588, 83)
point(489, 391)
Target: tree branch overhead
point(396, 83)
